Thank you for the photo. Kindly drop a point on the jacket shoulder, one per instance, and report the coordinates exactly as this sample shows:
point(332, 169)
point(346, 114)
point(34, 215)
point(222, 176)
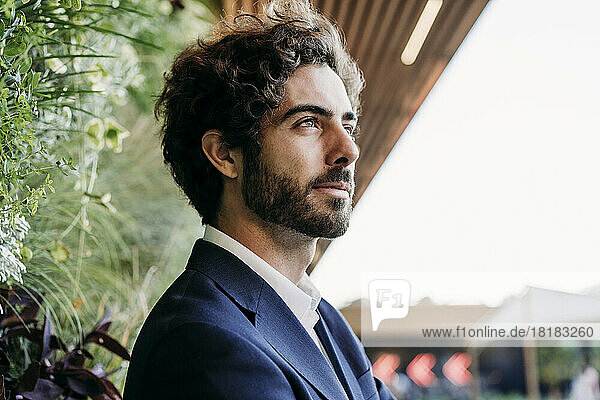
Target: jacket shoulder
point(193, 306)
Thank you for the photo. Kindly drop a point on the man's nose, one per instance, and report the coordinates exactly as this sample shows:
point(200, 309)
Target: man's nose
point(343, 151)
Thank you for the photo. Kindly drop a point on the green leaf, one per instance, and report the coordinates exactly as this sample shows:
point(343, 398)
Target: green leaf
point(25, 65)
point(35, 79)
point(59, 251)
point(15, 47)
point(26, 254)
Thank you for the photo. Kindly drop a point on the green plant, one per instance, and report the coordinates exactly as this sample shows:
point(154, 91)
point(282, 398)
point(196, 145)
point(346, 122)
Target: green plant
point(99, 241)
point(46, 64)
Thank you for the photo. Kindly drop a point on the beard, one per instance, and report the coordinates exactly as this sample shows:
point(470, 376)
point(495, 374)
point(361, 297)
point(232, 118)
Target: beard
point(282, 200)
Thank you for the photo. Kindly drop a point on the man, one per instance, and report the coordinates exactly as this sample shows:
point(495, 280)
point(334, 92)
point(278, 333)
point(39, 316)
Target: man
point(259, 132)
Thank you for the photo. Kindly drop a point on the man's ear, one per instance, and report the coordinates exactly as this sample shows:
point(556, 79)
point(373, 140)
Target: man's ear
point(218, 154)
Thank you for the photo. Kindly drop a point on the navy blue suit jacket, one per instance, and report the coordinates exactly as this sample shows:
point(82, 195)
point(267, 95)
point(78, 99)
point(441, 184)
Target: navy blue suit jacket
point(221, 332)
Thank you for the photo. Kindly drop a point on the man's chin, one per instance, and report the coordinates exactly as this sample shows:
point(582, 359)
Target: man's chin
point(315, 227)
point(334, 234)
point(324, 226)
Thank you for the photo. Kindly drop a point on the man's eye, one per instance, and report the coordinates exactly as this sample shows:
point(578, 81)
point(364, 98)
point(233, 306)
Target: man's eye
point(308, 123)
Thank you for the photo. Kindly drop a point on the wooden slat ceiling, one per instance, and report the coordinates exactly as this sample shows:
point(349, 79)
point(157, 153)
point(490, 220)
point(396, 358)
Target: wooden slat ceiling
point(376, 33)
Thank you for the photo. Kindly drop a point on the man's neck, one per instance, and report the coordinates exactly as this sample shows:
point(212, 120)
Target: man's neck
point(286, 250)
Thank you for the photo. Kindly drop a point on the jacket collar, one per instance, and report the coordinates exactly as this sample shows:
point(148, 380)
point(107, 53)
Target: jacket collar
point(274, 320)
point(302, 298)
point(229, 272)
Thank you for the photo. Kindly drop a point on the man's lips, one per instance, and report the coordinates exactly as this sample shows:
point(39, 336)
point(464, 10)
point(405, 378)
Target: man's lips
point(334, 185)
point(334, 189)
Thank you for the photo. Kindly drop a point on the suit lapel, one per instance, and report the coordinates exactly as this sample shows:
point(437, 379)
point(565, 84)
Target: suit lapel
point(341, 366)
point(287, 336)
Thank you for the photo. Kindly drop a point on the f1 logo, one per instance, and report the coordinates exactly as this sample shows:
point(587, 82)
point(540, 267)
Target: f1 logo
point(386, 294)
point(389, 298)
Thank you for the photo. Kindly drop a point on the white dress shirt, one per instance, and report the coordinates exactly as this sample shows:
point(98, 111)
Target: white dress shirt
point(301, 299)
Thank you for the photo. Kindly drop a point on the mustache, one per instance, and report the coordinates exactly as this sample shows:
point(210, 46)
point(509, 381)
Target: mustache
point(338, 174)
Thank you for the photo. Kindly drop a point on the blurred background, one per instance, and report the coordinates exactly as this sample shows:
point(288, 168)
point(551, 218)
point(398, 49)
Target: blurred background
point(475, 181)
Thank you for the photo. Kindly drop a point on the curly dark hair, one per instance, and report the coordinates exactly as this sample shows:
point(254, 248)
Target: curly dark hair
point(232, 80)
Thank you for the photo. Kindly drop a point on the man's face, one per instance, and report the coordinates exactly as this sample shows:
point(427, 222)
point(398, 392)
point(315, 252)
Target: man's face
point(303, 178)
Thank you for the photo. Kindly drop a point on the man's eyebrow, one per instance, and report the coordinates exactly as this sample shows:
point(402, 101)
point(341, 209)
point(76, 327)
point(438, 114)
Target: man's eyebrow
point(349, 116)
point(316, 109)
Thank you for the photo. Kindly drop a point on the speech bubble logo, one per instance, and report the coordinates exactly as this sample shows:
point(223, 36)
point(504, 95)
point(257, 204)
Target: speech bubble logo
point(389, 299)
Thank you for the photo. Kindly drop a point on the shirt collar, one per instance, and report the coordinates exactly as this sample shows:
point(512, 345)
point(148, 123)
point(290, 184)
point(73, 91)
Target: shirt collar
point(301, 299)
